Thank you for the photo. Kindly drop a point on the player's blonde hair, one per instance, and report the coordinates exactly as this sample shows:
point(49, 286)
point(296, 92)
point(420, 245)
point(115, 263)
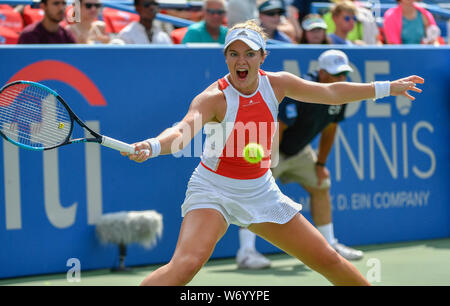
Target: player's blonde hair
point(253, 25)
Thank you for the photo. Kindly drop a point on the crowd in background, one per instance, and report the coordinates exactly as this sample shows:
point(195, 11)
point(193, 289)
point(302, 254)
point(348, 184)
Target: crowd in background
point(285, 21)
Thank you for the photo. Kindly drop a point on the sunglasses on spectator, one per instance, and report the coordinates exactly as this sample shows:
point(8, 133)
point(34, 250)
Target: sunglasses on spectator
point(148, 4)
point(91, 5)
point(348, 18)
point(56, 3)
point(343, 73)
point(218, 12)
point(273, 13)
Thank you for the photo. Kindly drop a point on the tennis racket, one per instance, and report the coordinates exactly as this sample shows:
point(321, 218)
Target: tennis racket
point(35, 117)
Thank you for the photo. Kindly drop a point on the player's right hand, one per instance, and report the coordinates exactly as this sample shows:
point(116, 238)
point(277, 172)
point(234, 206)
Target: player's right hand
point(143, 152)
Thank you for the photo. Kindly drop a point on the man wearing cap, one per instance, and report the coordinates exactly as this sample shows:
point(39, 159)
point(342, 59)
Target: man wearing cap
point(270, 13)
point(299, 124)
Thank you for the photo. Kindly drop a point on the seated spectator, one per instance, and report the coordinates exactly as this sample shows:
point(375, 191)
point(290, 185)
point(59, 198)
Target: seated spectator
point(89, 30)
point(211, 29)
point(314, 30)
point(365, 31)
point(270, 12)
point(343, 14)
point(146, 31)
point(407, 23)
point(48, 31)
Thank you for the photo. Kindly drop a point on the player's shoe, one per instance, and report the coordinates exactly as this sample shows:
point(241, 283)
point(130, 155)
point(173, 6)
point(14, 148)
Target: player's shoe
point(251, 259)
point(347, 252)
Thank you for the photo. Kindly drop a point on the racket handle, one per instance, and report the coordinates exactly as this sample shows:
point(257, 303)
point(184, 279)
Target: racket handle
point(119, 145)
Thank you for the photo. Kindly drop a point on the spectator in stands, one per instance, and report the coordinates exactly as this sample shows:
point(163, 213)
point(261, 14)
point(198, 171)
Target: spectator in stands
point(146, 31)
point(343, 14)
point(299, 124)
point(89, 30)
point(211, 29)
point(314, 30)
point(407, 23)
point(270, 12)
point(48, 31)
point(365, 31)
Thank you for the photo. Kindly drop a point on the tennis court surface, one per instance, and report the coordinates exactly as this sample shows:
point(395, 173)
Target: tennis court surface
point(414, 263)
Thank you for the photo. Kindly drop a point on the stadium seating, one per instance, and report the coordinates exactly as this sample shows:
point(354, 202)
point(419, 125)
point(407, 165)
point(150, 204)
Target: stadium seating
point(32, 15)
point(8, 36)
point(116, 20)
point(177, 35)
point(11, 19)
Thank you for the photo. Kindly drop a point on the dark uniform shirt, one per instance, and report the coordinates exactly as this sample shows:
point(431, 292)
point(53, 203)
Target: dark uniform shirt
point(305, 121)
point(36, 34)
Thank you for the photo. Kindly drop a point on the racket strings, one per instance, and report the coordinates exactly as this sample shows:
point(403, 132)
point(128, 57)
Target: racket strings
point(33, 116)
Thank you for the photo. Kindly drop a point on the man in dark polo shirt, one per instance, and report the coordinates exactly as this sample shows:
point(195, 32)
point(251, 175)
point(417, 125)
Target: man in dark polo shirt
point(299, 124)
point(48, 31)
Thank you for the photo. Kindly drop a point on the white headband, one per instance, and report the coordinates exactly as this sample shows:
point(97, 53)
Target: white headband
point(252, 38)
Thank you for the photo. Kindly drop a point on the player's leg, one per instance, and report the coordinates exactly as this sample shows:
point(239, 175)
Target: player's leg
point(302, 240)
point(200, 230)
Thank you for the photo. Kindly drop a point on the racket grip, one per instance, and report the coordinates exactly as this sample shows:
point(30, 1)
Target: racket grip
point(119, 145)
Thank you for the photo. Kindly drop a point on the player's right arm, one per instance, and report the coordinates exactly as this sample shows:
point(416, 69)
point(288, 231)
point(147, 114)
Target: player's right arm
point(206, 107)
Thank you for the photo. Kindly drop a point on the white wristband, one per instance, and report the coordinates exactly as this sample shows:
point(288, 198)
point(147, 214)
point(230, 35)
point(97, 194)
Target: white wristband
point(382, 89)
point(155, 145)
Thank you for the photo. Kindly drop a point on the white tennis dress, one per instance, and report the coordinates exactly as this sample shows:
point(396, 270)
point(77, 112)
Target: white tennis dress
point(244, 193)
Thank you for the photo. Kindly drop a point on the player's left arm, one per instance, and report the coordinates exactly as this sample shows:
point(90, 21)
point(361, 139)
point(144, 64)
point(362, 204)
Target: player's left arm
point(287, 84)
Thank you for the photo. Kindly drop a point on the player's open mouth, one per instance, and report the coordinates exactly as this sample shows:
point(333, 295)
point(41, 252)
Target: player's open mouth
point(242, 73)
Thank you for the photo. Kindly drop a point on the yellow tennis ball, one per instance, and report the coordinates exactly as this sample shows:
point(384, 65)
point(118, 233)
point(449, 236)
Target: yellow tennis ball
point(253, 153)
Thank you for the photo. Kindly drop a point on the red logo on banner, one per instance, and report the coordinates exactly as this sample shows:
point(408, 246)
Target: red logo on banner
point(60, 71)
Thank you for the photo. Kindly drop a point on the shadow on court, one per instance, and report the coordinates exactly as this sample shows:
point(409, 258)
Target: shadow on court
point(285, 269)
point(398, 262)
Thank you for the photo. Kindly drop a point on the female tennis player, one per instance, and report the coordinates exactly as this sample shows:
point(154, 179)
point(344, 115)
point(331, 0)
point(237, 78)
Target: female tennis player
point(226, 189)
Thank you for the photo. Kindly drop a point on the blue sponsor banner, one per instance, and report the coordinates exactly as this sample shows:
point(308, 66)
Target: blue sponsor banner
point(389, 164)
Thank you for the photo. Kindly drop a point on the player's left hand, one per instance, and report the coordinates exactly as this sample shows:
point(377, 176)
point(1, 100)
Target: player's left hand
point(401, 86)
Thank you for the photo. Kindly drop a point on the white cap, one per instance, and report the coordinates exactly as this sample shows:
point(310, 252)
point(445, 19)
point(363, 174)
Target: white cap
point(252, 38)
point(334, 62)
point(311, 23)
